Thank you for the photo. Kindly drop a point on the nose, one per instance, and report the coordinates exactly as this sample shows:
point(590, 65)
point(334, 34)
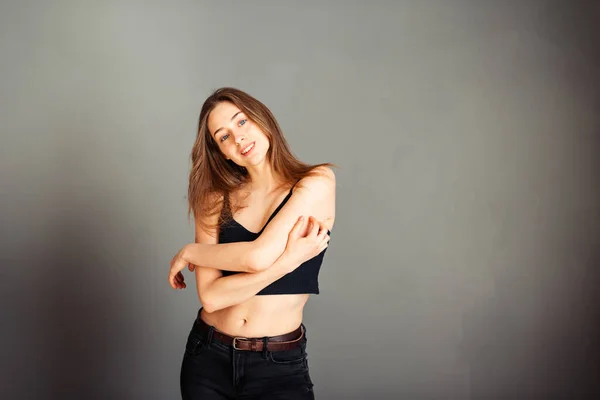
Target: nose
point(238, 138)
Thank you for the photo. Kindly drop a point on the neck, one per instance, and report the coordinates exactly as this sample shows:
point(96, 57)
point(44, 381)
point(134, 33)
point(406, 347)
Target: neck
point(262, 178)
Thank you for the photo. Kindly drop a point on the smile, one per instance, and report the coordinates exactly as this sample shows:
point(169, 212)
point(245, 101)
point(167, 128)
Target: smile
point(246, 150)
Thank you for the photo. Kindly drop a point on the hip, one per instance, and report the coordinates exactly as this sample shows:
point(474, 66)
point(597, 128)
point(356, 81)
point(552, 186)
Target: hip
point(216, 365)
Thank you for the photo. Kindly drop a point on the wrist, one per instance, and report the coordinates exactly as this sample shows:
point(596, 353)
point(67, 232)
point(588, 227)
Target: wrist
point(185, 253)
point(287, 261)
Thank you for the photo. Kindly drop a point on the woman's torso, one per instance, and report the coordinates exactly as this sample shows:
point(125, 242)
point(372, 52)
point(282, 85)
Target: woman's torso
point(269, 315)
point(265, 315)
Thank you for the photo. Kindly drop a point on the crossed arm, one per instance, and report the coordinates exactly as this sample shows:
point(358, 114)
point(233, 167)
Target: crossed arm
point(262, 261)
point(261, 253)
point(217, 292)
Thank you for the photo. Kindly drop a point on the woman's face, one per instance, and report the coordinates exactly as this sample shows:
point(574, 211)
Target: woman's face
point(240, 140)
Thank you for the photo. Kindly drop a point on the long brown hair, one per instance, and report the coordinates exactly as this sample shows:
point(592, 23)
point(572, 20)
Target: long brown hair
point(212, 177)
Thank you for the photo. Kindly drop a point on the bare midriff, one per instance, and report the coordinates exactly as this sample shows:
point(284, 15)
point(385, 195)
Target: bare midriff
point(269, 315)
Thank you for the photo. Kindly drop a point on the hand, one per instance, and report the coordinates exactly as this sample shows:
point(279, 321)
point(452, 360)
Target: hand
point(178, 263)
point(307, 239)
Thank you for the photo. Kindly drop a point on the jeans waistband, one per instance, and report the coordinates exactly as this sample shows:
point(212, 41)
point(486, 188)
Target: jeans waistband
point(286, 341)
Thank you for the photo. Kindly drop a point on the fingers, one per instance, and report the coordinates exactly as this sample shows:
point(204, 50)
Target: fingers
point(323, 246)
point(180, 280)
point(314, 226)
point(296, 229)
point(322, 237)
point(321, 224)
point(323, 240)
point(175, 276)
point(177, 281)
point(322, 228)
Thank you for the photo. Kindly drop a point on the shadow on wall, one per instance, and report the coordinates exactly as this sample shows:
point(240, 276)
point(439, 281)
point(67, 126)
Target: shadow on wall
point(83, 304)
point(537, 337)
point(81, 315)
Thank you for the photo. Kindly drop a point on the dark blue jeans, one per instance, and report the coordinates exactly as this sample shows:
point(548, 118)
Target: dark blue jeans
point(213, 370)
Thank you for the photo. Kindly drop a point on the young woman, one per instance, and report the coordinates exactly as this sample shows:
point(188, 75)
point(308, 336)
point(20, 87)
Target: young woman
point(263, 220)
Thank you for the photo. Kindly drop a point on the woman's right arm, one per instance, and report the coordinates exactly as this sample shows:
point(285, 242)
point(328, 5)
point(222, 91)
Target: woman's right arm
point(217, 292)
point(206, 277)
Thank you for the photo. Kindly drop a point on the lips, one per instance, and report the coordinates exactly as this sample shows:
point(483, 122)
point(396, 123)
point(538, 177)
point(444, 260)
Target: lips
point(246, 150)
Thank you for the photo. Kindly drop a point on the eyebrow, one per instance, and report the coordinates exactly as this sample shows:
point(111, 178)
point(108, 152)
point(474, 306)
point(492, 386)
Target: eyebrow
point(234, 115)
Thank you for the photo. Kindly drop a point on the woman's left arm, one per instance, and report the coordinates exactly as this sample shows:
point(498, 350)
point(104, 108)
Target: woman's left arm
point(313, 196)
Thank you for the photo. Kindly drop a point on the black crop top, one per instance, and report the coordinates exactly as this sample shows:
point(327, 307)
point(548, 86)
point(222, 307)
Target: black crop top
point(304, 279)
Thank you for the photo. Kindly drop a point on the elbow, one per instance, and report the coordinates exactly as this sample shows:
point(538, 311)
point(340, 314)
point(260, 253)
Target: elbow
point(209, 308)
point(262, 254)
point(257, 261)
point(256, 267)
point(209, 303)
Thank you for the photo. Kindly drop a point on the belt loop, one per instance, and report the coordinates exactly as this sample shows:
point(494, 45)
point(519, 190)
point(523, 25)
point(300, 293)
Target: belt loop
point(209, 337)
point(265, 344)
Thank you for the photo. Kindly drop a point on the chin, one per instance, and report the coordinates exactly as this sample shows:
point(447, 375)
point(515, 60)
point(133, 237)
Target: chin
point(254, 163)
point(256, 159)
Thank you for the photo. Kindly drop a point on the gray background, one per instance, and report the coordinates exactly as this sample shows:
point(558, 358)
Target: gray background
point(461, 263)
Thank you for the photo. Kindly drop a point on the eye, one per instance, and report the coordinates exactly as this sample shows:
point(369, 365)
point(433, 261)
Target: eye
point(224, 137)
point(242, 122)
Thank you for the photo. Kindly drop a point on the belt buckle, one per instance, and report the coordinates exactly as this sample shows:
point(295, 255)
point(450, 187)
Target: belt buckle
point(236, 339)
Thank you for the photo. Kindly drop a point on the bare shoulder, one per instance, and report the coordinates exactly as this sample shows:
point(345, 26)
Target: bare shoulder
point(318, 190)
point(324, 171)
point(320, 182)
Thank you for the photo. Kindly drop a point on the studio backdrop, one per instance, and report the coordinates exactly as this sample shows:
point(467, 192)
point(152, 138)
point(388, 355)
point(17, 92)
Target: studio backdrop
point(467, 223)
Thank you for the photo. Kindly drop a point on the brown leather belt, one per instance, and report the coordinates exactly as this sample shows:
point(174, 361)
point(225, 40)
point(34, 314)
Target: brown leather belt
point(286, 341)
